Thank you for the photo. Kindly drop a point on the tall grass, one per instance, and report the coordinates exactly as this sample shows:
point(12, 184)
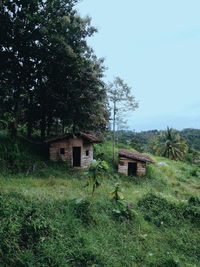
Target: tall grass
point(49, 218)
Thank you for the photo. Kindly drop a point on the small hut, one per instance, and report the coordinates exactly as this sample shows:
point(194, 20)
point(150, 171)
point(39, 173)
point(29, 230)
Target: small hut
point(133, 163)
point(75, 149)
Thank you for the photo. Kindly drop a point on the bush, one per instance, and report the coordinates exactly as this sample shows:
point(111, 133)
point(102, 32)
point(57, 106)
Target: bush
point(45, 234)
point(161, 212)
point(194, 201)
point(18, 157)
point(123, 211)
point(82, 211)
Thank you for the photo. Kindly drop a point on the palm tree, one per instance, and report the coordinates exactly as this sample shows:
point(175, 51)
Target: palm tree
point(172, 145)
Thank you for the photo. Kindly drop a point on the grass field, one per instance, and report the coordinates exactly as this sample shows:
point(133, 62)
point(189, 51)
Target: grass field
point(49, 218)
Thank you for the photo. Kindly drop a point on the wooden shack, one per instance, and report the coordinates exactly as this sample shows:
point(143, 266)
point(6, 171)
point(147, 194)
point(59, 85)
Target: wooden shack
point(75, 149)
point(133, 163)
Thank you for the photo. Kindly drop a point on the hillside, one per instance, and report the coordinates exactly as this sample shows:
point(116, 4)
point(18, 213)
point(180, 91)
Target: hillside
point(144, 137)
point(49, 218)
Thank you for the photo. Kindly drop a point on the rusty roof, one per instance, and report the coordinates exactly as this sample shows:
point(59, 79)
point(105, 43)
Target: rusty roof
point(135, 155)
point(87, 136)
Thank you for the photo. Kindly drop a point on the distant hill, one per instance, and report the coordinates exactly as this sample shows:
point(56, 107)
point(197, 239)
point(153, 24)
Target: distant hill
point(192, 135)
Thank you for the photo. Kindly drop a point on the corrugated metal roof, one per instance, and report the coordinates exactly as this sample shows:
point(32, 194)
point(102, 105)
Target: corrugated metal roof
point(135, 155)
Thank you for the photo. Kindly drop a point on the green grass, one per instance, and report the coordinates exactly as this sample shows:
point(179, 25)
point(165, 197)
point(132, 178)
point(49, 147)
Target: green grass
point(49, 217)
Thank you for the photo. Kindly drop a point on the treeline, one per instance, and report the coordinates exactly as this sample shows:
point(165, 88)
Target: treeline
point(145, 138)
point(50, 79)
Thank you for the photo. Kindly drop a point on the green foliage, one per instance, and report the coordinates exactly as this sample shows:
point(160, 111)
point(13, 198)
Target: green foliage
point(116, 194)
point(96, 168)
point(159, 211)
point(104, 152)
point(48, 219)
point(82, 211)
point(152, 145)
point(149, 140)
point(193, 156)
point(19, 157)
point(36, 234)
point(193, 137)
point(50, 79)
point(194, 201)
point(144, 137)
point(171, 145)
point(119, 94)
point(135, 143)
point(124, 212)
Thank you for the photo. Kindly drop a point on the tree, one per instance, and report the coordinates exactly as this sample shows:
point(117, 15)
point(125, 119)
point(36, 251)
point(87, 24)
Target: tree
point(48, 74)
point(122, 101)
point(152, 145)
point(193, 156)
point(18, 23)
point(172, 145)
point(135, 143)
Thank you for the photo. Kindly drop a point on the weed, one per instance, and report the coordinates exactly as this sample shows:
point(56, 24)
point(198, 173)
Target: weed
point(82, 211)
point(163, 213)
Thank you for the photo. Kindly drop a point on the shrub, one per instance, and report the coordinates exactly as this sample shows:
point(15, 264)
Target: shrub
point(18, 157)
point(82, 211)
point(161, 212)
point(123, 211)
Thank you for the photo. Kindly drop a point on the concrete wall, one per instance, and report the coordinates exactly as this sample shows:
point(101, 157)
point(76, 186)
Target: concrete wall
point(54, 151)
point(123, 166)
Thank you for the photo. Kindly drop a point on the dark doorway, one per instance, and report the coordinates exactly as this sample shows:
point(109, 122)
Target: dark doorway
point(132, 169)
point(77, 156)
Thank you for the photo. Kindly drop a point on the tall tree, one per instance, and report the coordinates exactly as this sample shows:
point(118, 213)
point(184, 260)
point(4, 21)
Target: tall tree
point(172, 145)
point(17, 46)
point(48, 74)
point(122, 101)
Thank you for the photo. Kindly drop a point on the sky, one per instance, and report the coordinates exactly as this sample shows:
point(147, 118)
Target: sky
point(154, 46)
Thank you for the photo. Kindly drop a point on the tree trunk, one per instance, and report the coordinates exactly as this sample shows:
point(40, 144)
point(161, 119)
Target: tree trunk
point(114, 119)
point(63, 127)
point(43, 128)
point(29, 128)
point(49, 125)
point(30, 116)
point(14, 123)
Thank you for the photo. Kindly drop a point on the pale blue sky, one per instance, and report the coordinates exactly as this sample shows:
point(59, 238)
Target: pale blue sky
point(154, 45)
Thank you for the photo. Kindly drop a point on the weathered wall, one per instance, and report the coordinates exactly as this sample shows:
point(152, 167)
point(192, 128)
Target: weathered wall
point(123, 166)
point(54, 151)
point(86, 160)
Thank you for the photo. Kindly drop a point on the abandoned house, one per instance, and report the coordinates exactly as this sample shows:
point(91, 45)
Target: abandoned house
point(75, 149)
point(132, 163)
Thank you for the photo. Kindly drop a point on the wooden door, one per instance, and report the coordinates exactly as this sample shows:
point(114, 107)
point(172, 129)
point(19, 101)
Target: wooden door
point(76, 156)
point(132, 169)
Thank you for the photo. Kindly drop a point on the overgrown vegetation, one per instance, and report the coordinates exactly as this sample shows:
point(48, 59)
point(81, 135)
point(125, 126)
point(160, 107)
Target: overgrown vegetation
point(181, 145)
point(51, 83)
point(49, 218)
point(190, 134)
point(50, 79)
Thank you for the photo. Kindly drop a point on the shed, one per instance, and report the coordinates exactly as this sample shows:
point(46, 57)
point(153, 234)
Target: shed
point(133, 163)
point(75, 149)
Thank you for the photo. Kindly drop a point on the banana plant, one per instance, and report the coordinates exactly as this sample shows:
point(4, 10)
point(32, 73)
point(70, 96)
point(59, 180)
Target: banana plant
point(116, 194)
point(96, 169)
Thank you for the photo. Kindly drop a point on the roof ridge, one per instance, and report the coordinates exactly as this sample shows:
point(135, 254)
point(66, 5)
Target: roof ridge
point(135, 155)
point(91, 137)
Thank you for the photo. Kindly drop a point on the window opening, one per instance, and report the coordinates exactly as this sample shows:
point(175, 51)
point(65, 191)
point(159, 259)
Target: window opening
point(62, 151)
